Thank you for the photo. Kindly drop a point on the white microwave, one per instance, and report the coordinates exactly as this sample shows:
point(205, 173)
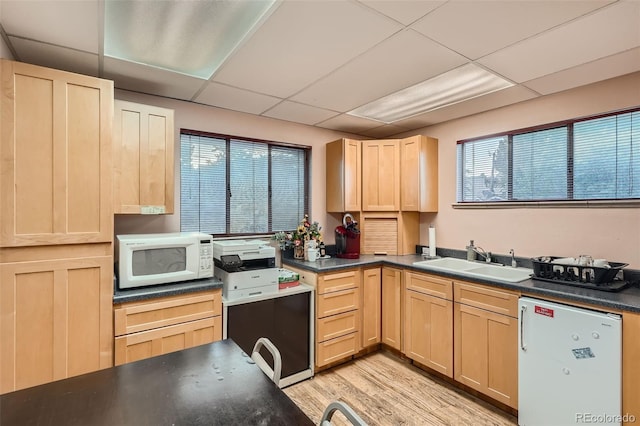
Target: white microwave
point(150, 259)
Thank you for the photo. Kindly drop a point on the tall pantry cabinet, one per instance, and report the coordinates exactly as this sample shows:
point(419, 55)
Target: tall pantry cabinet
point(56, 225)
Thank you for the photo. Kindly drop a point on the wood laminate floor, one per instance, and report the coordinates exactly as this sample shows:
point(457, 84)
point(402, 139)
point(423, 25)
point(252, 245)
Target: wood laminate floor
point(385, 390)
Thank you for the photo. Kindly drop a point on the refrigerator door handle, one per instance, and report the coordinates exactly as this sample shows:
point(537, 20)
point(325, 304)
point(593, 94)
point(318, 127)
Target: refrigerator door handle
point(523, 309)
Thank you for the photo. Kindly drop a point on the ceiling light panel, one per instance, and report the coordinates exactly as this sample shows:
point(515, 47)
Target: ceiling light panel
point(190, 37)
point(463, 83)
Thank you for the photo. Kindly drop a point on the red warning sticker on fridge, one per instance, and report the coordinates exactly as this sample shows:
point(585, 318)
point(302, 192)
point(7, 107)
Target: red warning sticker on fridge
point(543, 311)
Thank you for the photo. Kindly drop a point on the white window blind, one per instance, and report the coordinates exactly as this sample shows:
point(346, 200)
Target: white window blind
point(607, 157)
point(231, 186)
point(540, 165)
point(483, 170)
point(582, 159)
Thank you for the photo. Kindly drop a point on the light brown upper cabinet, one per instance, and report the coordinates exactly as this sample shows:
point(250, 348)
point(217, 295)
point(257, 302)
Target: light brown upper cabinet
point(55, 157)
point(143, 159)
point(344, 173)
point(419, 174)
point(381, 175)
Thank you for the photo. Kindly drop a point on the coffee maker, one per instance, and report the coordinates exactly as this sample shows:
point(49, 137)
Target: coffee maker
point(348, 239)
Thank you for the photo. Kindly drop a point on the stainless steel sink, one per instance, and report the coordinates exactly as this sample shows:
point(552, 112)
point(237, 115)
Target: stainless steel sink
point(475, 269)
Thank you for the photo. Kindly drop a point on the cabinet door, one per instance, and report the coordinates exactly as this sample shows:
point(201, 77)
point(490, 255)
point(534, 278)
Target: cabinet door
point(371, 306)
point(428, 336)
point(55, 320)
point(143, 159)
point(486, 356)
point(159, 341)
point(133, 317)
point(419, 174)
point(343, 175)
point(381, 175)
point(391, 307)
point(56, 163)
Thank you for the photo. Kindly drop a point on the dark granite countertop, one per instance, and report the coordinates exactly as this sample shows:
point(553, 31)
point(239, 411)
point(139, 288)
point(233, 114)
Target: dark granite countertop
point(213, 384)
point(155, 291)
point(626, 300)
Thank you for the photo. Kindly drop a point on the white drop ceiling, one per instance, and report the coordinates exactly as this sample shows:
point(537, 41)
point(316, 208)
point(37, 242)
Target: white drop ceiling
point(313, 61)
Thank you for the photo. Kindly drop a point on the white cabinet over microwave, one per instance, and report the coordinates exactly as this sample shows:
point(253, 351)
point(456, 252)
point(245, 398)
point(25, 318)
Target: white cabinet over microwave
point(150, 259)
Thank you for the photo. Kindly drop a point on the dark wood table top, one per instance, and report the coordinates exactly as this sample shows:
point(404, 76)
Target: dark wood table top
point(214, 384)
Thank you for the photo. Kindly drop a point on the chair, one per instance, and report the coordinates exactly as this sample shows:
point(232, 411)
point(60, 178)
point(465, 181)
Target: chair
point(344, 409)
point(275, 372)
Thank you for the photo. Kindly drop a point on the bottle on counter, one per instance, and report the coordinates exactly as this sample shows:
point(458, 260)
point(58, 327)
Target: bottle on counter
point(471, 254)
point(323, 250)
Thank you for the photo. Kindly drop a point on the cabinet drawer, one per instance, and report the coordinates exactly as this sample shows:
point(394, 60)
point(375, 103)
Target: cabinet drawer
point(429, 284)
point(338, 281)
point(337, 349)
point(337, 302)
point(500, 301)
point(133, 317)
point(146, 344)
point(336, 325)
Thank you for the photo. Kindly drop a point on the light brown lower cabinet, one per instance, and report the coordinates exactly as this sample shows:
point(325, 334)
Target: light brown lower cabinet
point(391, 327)
point(428, 337)
point(371, 306)
point(167, 324)
point(486, 341)
point(428, 326)
point(338, 322)
point(159, 341)
point(55, 318)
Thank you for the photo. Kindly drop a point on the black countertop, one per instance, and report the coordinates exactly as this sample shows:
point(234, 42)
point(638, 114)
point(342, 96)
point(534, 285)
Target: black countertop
point(151, 292)
point(626, 300)
point(214, 384)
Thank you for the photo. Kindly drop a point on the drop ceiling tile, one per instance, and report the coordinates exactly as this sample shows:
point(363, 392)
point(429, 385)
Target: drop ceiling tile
point(349, 123)
point(299, 113)
point(488, 102)
point(403, 11)
point(402, 60)
point(301, 42)
point(222, 96)
point(154, 81)
point(48, 55)
point(611, 30)
point(601, 69)
point(483, 27)
point(382, 132)
point(70, 23)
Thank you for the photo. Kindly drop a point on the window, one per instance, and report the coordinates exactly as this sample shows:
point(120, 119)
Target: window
point(584, 159)
point(234, 186)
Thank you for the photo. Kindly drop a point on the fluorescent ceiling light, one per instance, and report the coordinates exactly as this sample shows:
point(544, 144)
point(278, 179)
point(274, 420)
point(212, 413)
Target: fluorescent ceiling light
point(189, 37)
point(460, 84)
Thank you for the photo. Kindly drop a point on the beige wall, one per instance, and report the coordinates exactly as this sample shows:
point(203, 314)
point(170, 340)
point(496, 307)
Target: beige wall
point(611, 233)
point(216, 120)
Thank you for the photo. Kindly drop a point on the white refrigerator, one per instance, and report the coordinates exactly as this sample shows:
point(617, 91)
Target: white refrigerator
point(569, 365)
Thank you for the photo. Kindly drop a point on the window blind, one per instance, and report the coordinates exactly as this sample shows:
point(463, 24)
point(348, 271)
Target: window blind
point(607, 157)
point(583, 159)
point(231, 186)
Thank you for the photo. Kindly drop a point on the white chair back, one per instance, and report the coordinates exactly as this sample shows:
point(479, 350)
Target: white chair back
point(344, 409)
point(275, 372)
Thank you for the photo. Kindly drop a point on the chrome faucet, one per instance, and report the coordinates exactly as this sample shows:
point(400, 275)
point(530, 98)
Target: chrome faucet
point(514, 264)
point(486, 254)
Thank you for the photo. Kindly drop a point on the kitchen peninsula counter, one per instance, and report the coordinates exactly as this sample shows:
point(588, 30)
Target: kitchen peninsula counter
point(625, 300)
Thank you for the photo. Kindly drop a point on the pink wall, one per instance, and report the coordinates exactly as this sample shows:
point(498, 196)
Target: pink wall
point(217, 120)
point(611, 233)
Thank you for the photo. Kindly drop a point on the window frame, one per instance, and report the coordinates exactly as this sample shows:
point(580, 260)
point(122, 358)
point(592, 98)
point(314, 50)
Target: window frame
point(569, 201)
point(306, 149)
